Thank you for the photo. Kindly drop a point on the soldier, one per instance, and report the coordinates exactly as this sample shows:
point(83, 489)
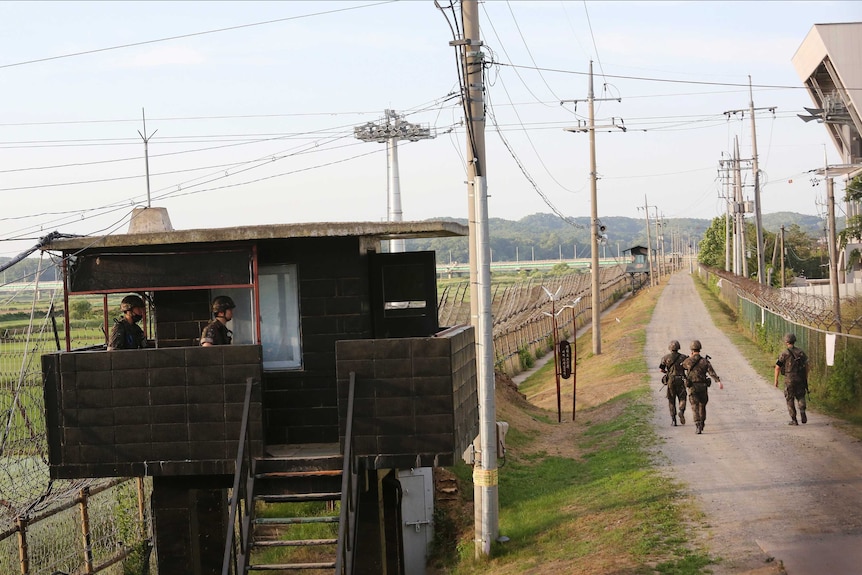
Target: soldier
point(216, 331)
point(126, 334)
point(697, 367)
point(674, 377)
point(793, 363)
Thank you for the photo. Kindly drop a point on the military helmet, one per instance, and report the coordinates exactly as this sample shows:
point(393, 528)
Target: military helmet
point(130, 302)
point(222, 303)
point(674, 345)
point(695, 345)
point(789, 338)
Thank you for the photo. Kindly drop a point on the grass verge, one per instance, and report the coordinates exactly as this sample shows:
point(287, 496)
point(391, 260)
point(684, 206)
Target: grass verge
point(587, 496)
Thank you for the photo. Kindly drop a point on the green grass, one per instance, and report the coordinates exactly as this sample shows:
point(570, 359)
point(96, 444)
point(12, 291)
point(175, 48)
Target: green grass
point(612, 501)
point(608, 508)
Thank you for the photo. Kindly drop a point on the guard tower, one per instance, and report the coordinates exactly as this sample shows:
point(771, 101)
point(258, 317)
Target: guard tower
point(338, 379)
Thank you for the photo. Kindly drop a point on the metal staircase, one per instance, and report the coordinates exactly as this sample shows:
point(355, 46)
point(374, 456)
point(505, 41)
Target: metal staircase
point(301, 489)
point(283, 515)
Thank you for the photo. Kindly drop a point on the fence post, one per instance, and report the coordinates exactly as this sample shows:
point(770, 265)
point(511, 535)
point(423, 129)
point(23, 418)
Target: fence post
point(22, 545)
point(85, 530)
point(141, 507)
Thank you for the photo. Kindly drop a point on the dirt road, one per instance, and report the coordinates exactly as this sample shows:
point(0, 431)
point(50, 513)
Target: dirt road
point(771, 493)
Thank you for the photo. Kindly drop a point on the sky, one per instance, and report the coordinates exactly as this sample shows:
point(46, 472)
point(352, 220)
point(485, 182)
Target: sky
point(251, 107)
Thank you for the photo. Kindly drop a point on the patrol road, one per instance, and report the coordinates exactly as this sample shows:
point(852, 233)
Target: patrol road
point(770, 492)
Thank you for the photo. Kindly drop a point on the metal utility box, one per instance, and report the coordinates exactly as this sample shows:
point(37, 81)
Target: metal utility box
point(417, 517)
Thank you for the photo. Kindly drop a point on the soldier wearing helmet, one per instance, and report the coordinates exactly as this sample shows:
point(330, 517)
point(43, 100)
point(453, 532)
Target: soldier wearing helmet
point(793, 363)
point(126, 333)
point(216, 331)
point(698, 369)
point(674, 377)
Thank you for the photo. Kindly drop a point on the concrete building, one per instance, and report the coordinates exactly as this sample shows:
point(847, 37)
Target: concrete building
point(829, 63)
point(338, 389)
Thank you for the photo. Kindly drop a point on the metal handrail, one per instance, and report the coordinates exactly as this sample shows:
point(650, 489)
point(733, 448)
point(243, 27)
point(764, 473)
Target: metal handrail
point(349, 490)
point(234, 557)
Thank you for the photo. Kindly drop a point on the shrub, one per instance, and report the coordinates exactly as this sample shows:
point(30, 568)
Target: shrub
point(81, 309)
point(525, 358)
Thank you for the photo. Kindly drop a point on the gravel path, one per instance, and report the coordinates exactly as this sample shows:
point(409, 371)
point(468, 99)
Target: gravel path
point(768, 490)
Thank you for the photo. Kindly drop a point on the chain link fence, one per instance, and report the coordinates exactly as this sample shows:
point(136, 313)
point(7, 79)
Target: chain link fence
point(767, 313)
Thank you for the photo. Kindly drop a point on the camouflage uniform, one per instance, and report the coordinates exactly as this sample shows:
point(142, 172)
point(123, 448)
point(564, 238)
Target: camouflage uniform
point(216, 333)
point(126, 335)
point(672, 363)
point(795, 383)
point(698, 368)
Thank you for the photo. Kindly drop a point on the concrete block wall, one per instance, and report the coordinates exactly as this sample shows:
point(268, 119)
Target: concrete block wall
point(416, 401)
point(159, 412)
point(301, 406)
point(181, 317)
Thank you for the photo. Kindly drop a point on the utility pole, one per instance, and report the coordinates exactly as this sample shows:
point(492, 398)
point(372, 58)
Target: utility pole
point(725, 179)
point(758, 220)
point(146, 140)
point(782, 256)
point(741, 261)
point(595, 272)
point(659, 259)
point(652, 281)
point(485, 479)
point(833, 247)
point(392, 129)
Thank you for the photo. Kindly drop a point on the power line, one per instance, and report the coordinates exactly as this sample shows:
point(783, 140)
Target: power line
point(190, 35)
point(665, 80)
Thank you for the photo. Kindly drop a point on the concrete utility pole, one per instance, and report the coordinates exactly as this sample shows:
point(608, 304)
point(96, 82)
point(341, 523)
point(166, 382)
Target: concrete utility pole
point(146, 140)
point(659, 257)
point(485, 479)
point(725, 178)
point(782, 256)
point(833, 248)
point(758, 220)
point(741, 261)
point(392, 129)
point(652, 281)
point(595, 272)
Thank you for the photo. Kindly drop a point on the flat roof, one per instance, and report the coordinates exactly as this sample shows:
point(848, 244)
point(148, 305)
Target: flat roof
point(376, 230)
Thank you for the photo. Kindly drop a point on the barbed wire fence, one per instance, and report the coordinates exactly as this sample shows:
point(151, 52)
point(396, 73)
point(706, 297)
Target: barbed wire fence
point(56, 526)
point(767, 313)
point(522, 327)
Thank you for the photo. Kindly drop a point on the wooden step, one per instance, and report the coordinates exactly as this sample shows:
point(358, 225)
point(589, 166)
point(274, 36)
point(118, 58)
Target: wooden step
point(296, 543)
point(292, 566)
point(296, 474)
point(299, 497)
point(296, 520)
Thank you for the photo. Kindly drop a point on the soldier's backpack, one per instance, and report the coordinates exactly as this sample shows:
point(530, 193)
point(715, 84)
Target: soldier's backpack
point(675, 369)
point(796, 362)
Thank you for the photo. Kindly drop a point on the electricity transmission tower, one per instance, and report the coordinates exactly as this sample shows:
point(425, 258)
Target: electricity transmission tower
point(389, 131)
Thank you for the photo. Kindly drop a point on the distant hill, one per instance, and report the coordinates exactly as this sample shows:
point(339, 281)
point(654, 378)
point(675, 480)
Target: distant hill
point(546, 236)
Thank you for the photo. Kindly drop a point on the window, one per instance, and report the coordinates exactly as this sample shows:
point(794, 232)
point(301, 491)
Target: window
point(279, 317)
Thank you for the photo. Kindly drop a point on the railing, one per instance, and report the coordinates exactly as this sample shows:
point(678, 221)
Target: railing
point(349, 494)
point(236, 546)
